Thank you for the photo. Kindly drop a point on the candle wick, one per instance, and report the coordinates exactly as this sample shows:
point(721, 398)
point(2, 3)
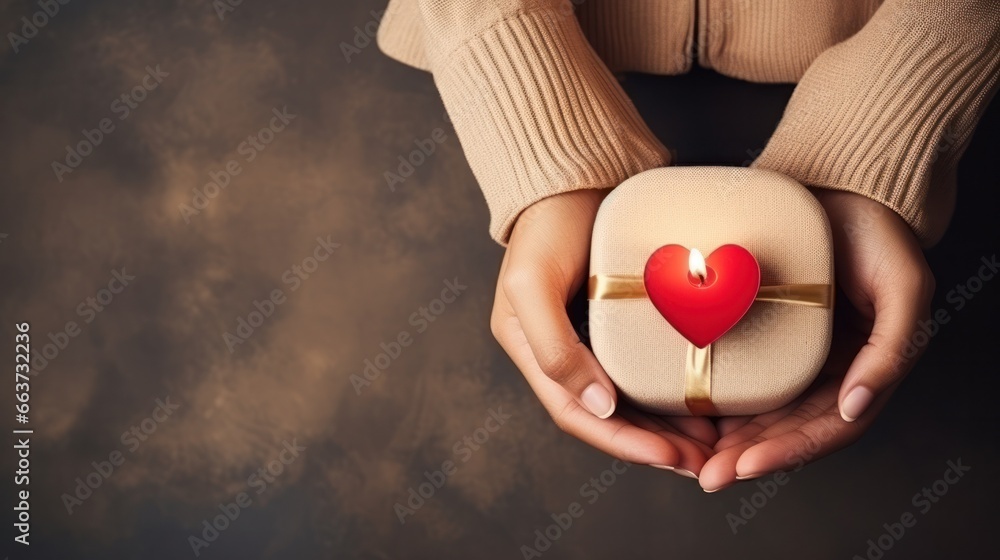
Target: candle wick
point(701, 280)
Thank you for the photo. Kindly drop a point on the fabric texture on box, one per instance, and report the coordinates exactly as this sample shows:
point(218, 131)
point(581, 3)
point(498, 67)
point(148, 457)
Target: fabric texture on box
point(777, 349)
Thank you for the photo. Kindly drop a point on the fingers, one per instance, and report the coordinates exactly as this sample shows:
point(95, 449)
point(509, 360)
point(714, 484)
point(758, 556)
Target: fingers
point(786, 439)
point(739, 429)
point(807, 435)
point(753, 427)
point(884, 274)
point(900, 301)
point(544, 266)
point(791, 451)
point(538, 293)
point(720, 470)
point(692, 454)
point(697, 428)
point(817, 414)
point(618, 437)
point(729, 424)
point(615, 435)
point(799, 443)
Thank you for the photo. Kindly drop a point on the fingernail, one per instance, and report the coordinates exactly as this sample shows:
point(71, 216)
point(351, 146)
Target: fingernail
point(687, 473)
point(855, 403)
point(598, 401)
point(748, 477)
point(723, 487)
point(682, 472)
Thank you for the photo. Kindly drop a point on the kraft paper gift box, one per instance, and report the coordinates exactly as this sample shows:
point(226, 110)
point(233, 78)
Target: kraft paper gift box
point(773, 352)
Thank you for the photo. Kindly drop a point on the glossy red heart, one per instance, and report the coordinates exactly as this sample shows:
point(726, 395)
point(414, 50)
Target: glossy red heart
point(702, 311)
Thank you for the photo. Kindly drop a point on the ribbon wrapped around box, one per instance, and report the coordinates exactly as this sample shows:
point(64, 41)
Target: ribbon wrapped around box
point(740, 260)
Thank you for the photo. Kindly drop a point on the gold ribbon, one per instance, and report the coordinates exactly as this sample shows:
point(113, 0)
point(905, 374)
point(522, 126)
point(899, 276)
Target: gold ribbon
point(698, 368)
point(622, 286)
point(698, 381)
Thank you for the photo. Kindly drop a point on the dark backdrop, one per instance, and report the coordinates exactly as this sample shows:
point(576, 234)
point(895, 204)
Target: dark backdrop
point(197, 274)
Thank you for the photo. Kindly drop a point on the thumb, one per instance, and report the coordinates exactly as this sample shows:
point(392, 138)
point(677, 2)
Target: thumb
point(548, 255)
point(539, 301)
point(890, 352)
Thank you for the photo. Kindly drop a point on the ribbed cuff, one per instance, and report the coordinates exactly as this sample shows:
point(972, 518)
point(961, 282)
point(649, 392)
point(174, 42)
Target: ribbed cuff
point(401, 34)
point(539, 114)
point(889, 113)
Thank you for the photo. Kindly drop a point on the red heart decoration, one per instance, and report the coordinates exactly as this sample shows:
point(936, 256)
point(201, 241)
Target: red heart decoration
point(702, 311)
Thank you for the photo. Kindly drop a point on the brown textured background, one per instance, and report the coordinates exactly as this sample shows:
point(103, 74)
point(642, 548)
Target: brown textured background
point(323, 176)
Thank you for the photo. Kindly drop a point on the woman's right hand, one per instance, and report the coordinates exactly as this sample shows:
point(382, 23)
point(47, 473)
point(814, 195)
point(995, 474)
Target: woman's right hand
point(546, 263)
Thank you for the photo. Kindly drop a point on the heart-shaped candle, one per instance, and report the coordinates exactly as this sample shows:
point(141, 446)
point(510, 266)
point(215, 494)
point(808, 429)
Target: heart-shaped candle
point(702, 298)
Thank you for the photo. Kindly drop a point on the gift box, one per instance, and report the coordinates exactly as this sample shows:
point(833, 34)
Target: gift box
point(742, 330)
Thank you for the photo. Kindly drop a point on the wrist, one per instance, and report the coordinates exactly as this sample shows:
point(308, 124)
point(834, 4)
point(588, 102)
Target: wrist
point(856, 212)
point(580, 202)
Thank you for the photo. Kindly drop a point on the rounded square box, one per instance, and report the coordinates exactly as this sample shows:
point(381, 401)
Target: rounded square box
point(775, 351)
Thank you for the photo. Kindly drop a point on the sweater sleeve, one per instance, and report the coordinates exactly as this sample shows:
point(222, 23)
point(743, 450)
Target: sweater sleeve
point(889, 112)
point(536, 111)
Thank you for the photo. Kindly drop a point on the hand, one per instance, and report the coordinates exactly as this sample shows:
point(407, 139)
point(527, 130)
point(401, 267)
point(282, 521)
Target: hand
point(545, 265)
point(882, 271)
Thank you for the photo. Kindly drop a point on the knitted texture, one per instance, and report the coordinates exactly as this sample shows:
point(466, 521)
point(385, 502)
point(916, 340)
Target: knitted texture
point(623, 33)
point(774, 40)
point(535, 110)
point(889, 113)
point(888, 98)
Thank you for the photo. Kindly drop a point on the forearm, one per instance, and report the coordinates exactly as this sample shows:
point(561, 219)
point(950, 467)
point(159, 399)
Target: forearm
point(535, 109)
point(889, 112)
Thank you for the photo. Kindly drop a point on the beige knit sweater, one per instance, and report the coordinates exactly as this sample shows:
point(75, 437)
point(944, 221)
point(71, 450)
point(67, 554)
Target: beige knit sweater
point(889, 92)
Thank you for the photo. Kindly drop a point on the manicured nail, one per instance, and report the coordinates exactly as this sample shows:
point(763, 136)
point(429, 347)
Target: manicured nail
point(748, 477)
point(855, 403)
point(682, 472)
point(598, 400)
point(723, 487)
